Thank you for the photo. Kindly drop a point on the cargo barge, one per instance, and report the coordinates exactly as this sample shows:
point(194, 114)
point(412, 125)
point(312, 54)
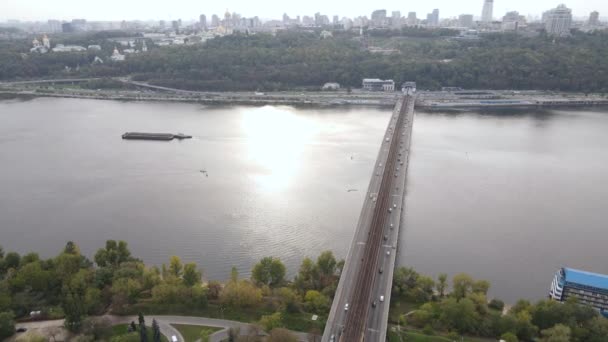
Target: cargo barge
point(154, 136)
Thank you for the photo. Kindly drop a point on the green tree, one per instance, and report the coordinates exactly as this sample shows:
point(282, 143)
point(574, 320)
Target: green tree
point(597, 330)
point(7, 325)
point(459, 315)
point(307, 275)
point(462, 285)
point(289, 299)
point(143, 334)
point(113, 254)
point(241, 293)
point(71, 248)
point(442, 284)
point(316, 302)
point(175, 266)
point(74, 310)
point(269, 271)
point(327, 266)
point(496, 304)
point(191, 275)
point(269, 322)
point(509, 337)
point(481, 286)
point(12, 260)
point(156, 332)
point(559, 333)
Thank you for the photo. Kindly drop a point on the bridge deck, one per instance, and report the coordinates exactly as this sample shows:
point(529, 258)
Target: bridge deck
point(368, 271)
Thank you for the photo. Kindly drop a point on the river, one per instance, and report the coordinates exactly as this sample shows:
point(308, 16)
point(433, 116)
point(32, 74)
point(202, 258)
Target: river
point(506, 197)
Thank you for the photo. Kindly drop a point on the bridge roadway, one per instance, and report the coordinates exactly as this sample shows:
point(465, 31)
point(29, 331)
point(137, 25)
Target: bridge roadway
point(368, 271)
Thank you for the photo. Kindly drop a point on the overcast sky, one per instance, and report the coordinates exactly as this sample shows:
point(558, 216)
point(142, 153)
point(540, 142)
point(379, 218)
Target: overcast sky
point(190, 9)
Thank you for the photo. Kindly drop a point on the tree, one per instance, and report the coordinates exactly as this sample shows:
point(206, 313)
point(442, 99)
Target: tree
point(269, 322)
point(597, 330)
point(509, 337)
point(7, 325)
point(315, 301)
point(306, 278)
point(113, 254)
point(269, 271)
point(74, 309)
point(241, 293)
point(71, 248)
point(12, 260)
point(143, 334)
point(559, 333)
point(459, 315)
point(191, 275)
point(481, 286)
point(461, 285)
point(289, 299)
point(496, 304)
point(405, 279)
point(326, 262)
point(442, 284)
point(175, 266)
point(281, 335)
point(156, 332)
point(214, 289)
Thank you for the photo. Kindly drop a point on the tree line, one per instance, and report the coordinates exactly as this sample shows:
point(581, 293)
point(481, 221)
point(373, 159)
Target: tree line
point(466, 310)
point(73, 287)
point(295, 59)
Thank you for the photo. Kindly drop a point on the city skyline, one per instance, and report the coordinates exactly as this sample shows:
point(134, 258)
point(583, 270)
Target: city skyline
point(38, 10)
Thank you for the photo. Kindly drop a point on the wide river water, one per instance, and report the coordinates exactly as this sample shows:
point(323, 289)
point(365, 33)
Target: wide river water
point(505, 197)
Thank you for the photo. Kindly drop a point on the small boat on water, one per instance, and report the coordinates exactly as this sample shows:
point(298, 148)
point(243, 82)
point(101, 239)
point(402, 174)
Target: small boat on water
point(154, 136)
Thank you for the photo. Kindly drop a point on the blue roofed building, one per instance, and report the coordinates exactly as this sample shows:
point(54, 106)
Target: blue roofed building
point(589, 288)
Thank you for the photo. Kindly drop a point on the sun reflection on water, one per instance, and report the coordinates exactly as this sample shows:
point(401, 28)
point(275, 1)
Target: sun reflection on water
point(276, 138)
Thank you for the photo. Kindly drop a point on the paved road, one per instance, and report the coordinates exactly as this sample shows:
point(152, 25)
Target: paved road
point(377, 317)
point(164, 322)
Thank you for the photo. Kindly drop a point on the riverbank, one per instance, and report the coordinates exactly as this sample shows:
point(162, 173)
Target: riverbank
point(427, 100)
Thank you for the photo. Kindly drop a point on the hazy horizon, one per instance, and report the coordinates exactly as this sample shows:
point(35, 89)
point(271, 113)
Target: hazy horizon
point(39, 10)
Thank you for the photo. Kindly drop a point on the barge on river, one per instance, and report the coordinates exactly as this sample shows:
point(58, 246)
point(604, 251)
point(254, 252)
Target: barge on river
point(154, 136)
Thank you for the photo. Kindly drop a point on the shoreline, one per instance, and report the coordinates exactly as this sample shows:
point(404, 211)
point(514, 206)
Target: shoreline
point(428, 101)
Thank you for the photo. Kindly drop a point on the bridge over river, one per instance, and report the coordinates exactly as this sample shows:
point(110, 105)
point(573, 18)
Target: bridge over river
point(360, 308)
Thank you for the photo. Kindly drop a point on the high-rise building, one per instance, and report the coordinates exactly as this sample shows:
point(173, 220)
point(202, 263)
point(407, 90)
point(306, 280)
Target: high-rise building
point(594, 18)
point(336, 20)
point(285, 19)
point(379, 18)
point(54, 26)
point(411, 19)
point(487, 12)
point(318, 19)
point(215, 20)
point(558, 21)
point(432, 19)
point(396, 19)
point(465, 20)
point(202, 20)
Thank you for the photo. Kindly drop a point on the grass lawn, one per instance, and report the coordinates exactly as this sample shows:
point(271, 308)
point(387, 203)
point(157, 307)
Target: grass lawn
point(191, 333)
point(123, 329)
